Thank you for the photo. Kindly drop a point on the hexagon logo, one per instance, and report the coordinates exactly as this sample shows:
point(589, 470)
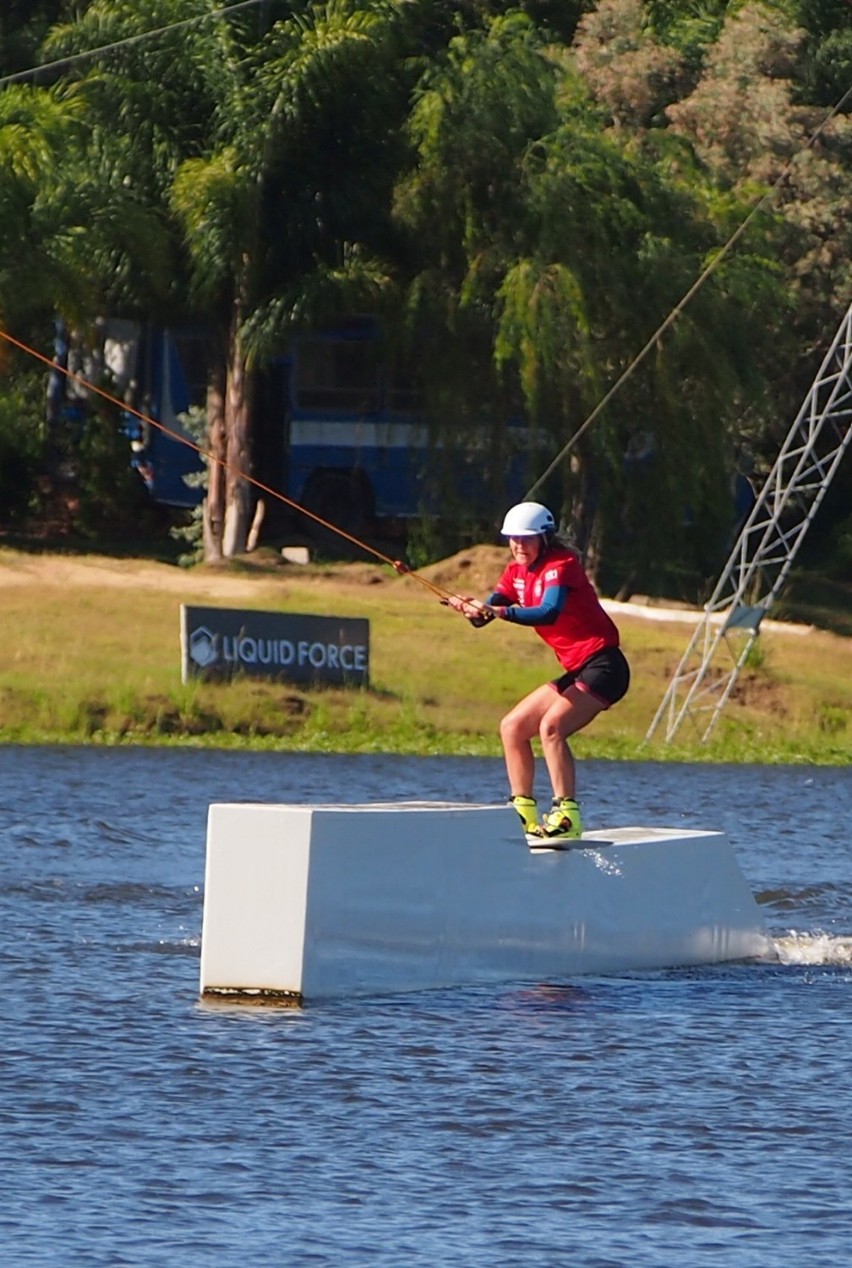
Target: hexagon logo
point(203, 647)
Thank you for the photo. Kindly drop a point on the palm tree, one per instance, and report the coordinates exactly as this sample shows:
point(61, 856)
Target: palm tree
point(23, 24)
point(281, 214)
point(478, 109)
point(267, 149)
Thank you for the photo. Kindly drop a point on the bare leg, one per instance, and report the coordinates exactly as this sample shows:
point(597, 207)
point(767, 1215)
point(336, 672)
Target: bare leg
point(553, 718)
point(517, 730)
point(566, 715)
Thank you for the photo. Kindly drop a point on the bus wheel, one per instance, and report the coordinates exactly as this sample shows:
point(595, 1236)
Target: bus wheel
point(342, 501)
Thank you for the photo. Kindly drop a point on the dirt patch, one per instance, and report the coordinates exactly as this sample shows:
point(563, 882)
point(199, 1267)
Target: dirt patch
point(756, 692)
point(62, 570)
point(473, 571)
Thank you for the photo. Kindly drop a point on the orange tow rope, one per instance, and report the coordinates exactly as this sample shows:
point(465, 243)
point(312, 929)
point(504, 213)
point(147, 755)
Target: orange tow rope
point(398, 565)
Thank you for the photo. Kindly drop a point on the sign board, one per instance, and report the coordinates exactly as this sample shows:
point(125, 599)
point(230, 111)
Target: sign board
point(225, 642)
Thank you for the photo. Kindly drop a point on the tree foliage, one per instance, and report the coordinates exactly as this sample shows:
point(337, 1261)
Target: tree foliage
point(751, 135)
point(524, 192)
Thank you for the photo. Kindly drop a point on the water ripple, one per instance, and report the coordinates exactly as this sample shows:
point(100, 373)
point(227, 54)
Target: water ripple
point(692, 1116)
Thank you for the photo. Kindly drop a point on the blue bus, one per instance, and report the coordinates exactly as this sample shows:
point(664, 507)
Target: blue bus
point(356, 444)
point(165, 373)
point(339, 428)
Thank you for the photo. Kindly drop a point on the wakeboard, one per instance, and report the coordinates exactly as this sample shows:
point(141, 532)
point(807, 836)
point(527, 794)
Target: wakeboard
point(541, 844)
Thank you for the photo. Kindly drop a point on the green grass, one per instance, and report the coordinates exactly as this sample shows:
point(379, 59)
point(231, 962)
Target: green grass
point(96, 659)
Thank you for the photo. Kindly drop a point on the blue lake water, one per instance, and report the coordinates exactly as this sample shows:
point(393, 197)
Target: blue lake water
point(697, 1117)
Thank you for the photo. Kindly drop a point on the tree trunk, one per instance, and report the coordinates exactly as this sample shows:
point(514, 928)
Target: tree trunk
point(588, 513)
point(214, 504)
point(238, 499)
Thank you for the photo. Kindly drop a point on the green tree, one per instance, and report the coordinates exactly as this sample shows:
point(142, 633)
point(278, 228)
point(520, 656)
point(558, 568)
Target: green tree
point(280, 213)
point(748, 128)
point(612, 246)
point(554, 247)
point(268, 148)
point(84, 229)
point(627, 69)
point(23, 26)
point(477, 109)
point(34, 132)
point(740, 121)
point(73, 234)
point(147, 104)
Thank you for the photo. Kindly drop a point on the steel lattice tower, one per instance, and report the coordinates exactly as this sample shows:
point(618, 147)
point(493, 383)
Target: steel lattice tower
point(765, 549)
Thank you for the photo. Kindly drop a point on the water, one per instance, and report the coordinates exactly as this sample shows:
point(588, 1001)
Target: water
point(695, 1117)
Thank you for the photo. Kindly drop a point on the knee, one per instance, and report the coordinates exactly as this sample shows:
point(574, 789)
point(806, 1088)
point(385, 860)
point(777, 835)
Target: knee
point(509, 732)
point(550, 732)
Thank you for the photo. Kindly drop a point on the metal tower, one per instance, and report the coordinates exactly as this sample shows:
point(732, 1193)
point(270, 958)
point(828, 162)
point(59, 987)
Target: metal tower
point(766, 547)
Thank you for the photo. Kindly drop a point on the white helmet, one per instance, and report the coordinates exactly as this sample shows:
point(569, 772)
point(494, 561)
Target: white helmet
point(528, 519)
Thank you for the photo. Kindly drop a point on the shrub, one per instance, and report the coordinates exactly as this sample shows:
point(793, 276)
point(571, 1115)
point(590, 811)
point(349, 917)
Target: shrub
point(21, 446)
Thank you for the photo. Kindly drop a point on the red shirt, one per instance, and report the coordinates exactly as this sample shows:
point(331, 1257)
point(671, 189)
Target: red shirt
point(582, 627)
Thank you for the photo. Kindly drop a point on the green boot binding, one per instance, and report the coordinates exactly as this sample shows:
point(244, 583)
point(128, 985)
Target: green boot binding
point(563, 822)
point(527, 809)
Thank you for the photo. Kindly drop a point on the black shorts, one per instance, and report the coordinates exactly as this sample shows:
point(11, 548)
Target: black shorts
point(606, 676)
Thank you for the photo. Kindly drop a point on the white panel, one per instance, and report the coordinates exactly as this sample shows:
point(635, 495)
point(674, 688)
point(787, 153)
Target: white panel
point(403, 896)
point(255, 888)
point(361, 433)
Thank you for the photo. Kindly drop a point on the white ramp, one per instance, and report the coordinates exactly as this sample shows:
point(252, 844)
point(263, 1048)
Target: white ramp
point(312, 902)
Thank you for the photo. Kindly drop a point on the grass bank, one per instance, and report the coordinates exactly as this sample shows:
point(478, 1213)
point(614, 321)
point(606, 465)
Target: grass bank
point(92, 654)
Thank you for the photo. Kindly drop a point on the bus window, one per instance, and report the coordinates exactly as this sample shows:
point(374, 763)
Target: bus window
point(337, 374)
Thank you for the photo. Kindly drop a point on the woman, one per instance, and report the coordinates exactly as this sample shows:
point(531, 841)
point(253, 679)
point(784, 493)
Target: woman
point(545, 586)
